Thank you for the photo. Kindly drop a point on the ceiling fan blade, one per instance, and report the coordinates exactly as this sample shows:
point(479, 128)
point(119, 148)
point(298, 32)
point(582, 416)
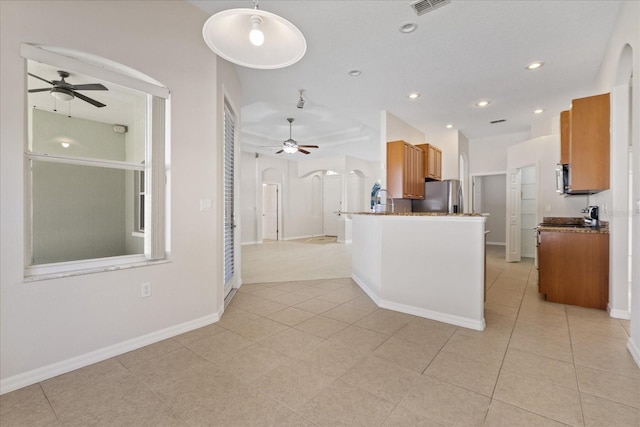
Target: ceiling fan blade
point(303, 151)
point(91, 86)
point(47, 89)
point(279, 151)
point(308, 146)
point(40, 78)
point(87, 99)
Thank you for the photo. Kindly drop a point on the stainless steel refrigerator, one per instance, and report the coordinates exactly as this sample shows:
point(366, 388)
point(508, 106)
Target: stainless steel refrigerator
point(440, 196)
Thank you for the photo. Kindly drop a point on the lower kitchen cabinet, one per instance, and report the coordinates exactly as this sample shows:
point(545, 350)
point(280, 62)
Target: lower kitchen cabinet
point(574, 268)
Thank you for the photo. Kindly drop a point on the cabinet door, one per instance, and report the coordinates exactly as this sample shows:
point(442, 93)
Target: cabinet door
point(589, 147)
point(432, 160)
point(395, 168)
point(407, 172)
point(573, 268)
point(418, 176)
point(565, 136)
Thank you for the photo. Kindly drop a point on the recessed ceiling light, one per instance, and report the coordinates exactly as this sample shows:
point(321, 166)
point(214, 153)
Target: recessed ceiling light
point(538, 111)
point(354, 73)
point(535, 65)
point(65, 144)
point(449, 126)
point(408, 27)
point(414, 95)
point(483, 103)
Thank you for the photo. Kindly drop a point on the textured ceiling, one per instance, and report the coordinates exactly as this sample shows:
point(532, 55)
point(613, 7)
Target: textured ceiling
point(460, 53)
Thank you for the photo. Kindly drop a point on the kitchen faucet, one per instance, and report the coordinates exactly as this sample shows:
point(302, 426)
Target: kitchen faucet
point(377, 207)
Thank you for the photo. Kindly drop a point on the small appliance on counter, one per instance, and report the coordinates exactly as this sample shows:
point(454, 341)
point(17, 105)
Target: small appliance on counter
point(591, 218)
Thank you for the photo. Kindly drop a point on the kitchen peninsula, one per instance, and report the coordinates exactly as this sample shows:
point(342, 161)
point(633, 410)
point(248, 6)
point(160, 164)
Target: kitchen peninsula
point(426, 264)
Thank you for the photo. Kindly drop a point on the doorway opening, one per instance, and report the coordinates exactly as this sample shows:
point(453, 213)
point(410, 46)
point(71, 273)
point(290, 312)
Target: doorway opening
point(488, 197)
point(522, 190)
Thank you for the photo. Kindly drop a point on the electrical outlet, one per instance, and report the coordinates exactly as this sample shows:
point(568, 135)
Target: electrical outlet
point(145, 290)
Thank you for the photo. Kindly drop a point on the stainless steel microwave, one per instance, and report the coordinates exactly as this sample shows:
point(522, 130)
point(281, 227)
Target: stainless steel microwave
point(562, 179)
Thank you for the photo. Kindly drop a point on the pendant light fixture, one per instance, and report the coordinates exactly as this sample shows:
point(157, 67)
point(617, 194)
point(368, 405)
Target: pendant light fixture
point(254, 38)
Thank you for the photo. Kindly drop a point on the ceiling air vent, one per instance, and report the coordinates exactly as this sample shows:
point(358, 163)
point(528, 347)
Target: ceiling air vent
point(493, 122)
point(423, 6)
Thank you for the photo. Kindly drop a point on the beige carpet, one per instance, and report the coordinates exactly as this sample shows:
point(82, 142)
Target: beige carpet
point(286, 260)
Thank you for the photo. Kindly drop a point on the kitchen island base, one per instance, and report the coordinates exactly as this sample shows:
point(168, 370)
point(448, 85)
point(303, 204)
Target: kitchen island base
point(431, 266)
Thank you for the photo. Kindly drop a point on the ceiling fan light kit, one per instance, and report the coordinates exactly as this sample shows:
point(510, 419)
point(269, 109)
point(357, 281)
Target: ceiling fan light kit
point(290, 145)
point(65, 91)
point(254, 38)
point(61, 94)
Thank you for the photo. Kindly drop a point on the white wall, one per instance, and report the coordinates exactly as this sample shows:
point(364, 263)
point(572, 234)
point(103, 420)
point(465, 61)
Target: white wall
point(49, 327)
point(250, 211)
point(626, 32)
point(393, 129)
point(490, 154)
point(543, 153)
point(298, 218)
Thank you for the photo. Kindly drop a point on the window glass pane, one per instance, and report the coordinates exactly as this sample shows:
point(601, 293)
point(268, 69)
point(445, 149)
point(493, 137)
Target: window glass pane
point(82, 212)
point(77, 128)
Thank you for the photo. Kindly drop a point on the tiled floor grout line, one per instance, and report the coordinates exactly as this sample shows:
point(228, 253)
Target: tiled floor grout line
point(505, 278)
point(575, 369)
point(493, 391)
point(49, 402)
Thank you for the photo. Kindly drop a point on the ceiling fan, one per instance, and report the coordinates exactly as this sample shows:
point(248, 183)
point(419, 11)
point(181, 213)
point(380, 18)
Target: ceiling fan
point(64, 91)
point(290, 146)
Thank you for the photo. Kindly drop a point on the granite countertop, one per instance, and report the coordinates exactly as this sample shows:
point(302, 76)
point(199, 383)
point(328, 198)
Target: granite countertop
point(571, 225)
point(411, 214)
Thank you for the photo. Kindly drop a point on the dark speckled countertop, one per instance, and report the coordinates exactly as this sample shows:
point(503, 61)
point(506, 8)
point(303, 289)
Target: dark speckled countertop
point(571, 225)
point(410, 214)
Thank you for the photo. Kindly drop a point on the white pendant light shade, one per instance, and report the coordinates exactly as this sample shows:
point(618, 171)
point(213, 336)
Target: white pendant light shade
point(234, 35)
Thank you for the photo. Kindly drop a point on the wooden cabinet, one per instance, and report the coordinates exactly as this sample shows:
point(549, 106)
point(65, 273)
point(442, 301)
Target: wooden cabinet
point(432, 162)
point(404, 170)
point(573, 268)
point(584, 144)
point(565, 136)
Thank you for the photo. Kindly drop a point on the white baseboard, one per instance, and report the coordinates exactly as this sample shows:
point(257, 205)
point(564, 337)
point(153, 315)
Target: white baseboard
point(618, 314)
point(308, 236)
point(421, 312)
point(250, 243)
point(634, 350)
point(496, 243)
point(40, 374)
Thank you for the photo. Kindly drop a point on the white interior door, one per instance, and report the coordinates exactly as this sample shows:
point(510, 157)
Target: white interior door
point(528, 212)
point(332, 203)
point(270, 196)
point(513, 215)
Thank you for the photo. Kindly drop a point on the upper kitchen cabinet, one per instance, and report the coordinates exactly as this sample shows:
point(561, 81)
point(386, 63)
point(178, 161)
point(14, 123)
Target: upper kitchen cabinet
point(565, 136)
point(588, 144)
point(432, 162)
point(405, 165)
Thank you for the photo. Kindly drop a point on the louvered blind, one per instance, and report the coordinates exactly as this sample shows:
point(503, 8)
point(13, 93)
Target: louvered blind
point(229, 226)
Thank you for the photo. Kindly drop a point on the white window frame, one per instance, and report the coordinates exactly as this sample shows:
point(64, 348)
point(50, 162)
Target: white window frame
point(154, 168)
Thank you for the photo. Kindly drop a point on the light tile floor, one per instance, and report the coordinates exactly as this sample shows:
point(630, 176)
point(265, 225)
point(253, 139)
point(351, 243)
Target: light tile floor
point(320, 353)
